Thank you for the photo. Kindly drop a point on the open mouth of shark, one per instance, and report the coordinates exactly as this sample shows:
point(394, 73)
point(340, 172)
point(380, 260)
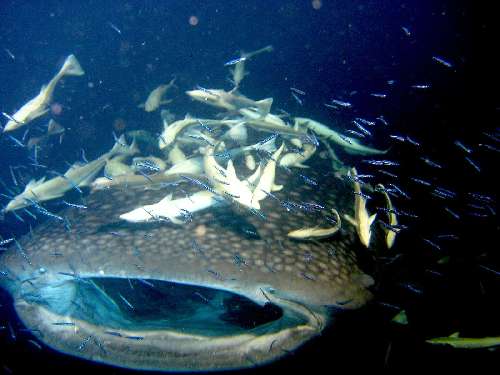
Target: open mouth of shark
point(142, 305)
point(164, 325)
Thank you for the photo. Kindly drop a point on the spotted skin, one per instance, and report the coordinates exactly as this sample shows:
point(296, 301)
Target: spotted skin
point(225, 248)
point(99, 244)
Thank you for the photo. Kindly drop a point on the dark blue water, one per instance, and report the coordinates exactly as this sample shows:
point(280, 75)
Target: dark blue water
point(344, 50)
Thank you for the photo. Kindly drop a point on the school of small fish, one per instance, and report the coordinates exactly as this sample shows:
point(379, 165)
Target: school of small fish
point(237, 157)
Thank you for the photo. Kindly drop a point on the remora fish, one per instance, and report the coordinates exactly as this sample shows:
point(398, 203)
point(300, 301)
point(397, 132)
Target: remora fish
point(297, 160)
point(466, 342)
point(362, 220)
point(390, 236)
point(135, 181)
point(350, 145)
point(171, 209)
point(77, 175)
point(172, 130)
point(238, 72)
point(230, 101)
point(178, 329)
point(38, 106)
point(154, 99)
point(267, 122)
point(315, 232)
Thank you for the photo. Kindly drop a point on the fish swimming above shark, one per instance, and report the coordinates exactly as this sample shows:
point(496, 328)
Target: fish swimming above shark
point(390, 236)
point(350, 145)
point(194, 285)
point(230, 100)
point(362, 220)
point(172, 210)
point(77, 175)
point(198, 267)
point(238, 72)
point(172, 130)
point(297, 159)
point(155, 97)
point(316, 232)
point(38, 106)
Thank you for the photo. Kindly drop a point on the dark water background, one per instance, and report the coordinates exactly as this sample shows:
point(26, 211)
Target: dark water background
point(343, 47)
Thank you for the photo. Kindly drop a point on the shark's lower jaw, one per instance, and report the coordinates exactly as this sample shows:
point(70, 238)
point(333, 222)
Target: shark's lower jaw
point(159, 325)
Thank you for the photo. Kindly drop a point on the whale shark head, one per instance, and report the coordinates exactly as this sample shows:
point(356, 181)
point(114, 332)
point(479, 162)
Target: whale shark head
point(226, 290)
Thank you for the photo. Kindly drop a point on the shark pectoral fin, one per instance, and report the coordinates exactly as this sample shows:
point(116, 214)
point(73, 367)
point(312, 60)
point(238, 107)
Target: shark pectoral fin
point(142, 105)
point(350, 220)
point(165, 101)
point(371, 219)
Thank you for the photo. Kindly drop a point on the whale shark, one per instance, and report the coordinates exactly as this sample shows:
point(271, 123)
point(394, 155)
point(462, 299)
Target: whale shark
point(228, 289)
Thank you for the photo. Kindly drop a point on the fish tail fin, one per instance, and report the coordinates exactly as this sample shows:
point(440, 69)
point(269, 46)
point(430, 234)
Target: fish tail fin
point(268, 146)
point(71, 67)
point(264, 105)
point(121, 147)
point(172, 83)
point(133, 148)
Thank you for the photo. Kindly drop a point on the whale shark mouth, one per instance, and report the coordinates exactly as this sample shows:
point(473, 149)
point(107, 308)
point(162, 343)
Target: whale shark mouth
point(164, 325)
point(138, 304)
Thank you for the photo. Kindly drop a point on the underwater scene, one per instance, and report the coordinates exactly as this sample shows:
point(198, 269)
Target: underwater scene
point(248, 186)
